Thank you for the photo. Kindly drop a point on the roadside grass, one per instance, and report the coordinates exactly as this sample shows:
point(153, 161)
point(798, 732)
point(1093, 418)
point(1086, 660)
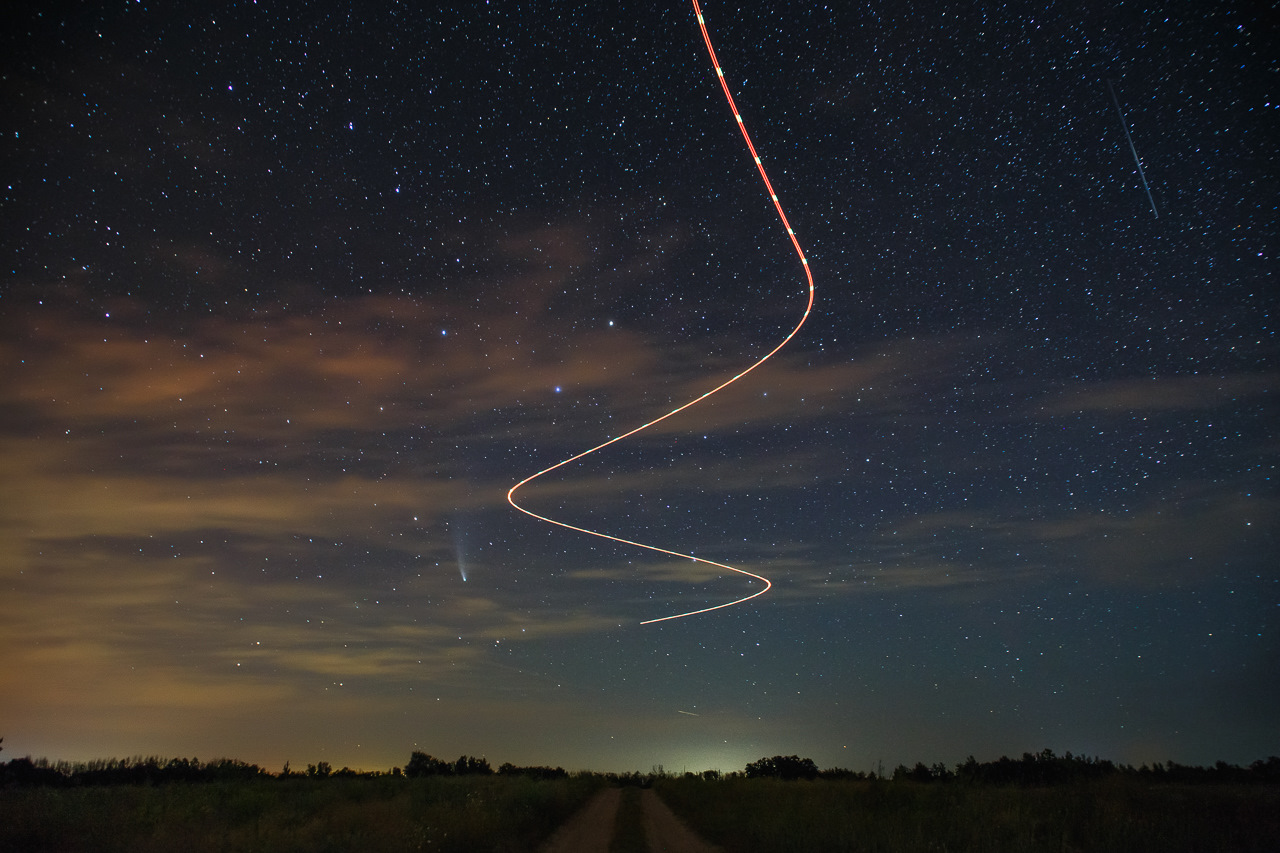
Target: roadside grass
point(1120, 815)
point(499, 814)
point(505, 814)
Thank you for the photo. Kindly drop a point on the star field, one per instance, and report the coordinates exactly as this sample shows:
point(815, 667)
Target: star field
point(294, 293)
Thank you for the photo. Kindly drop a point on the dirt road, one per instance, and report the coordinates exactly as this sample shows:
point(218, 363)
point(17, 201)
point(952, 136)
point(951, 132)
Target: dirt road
point(665, 832)
point(591, 829)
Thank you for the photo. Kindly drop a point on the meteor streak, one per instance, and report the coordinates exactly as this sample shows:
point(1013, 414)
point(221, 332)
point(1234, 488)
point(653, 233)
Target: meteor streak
point(804, 262)
point(1138, 162)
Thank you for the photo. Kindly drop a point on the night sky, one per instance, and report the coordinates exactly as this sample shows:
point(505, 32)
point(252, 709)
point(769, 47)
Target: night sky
point(293, 293)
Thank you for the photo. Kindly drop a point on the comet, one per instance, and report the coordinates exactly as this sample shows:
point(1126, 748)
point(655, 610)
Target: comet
point(752, 577)
point(460, 551)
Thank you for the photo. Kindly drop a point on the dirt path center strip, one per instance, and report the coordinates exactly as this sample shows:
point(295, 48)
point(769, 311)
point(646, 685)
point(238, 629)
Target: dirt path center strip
point(590, 830)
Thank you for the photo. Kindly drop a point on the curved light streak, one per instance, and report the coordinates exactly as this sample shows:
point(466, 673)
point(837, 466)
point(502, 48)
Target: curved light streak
point(706, 37)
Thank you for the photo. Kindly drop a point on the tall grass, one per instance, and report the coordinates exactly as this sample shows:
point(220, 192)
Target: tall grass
point(1120, 815)
point(468, 814)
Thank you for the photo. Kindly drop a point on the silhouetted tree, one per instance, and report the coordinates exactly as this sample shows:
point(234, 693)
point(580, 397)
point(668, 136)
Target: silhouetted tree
point(1266, 771)
point(27, 773)
point(783, 767)
point(919, 773)
point(467, 765)
point(509, 769)
point(421, 764)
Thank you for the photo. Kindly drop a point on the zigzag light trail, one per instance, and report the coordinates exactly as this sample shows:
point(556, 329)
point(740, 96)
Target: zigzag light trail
point(706, 37)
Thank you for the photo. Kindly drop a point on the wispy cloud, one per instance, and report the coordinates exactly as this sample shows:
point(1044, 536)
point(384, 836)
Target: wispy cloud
point(1161, 393)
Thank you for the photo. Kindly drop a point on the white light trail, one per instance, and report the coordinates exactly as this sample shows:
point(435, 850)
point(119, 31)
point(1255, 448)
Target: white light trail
point(1136, 160)
point(804, 262)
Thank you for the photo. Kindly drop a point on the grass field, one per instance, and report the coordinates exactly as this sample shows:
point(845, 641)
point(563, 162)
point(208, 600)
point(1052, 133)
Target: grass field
point(466, 815)
point(504, 813)
point(1118, 814)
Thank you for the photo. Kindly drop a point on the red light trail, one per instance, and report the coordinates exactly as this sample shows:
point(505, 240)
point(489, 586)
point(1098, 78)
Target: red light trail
point(706, 37)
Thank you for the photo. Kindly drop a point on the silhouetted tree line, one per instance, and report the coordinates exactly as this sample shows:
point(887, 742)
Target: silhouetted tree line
point(420, 764)
point(157, 771)
point(782, 767)
point(324, 770)
point(509, 769)
point(127, 771)
point(1034, 769)
point(1043, 768)
point(1267, 771)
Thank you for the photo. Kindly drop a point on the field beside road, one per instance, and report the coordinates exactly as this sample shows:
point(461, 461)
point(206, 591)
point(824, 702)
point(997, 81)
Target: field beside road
point(463, 814)
point(782, 804)
point(1123, 815)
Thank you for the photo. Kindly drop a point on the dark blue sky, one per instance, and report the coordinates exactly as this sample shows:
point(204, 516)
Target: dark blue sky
point(295, 292)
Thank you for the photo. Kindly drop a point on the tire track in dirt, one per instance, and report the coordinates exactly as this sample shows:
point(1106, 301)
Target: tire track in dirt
point(666, 832)
point(591, 829)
